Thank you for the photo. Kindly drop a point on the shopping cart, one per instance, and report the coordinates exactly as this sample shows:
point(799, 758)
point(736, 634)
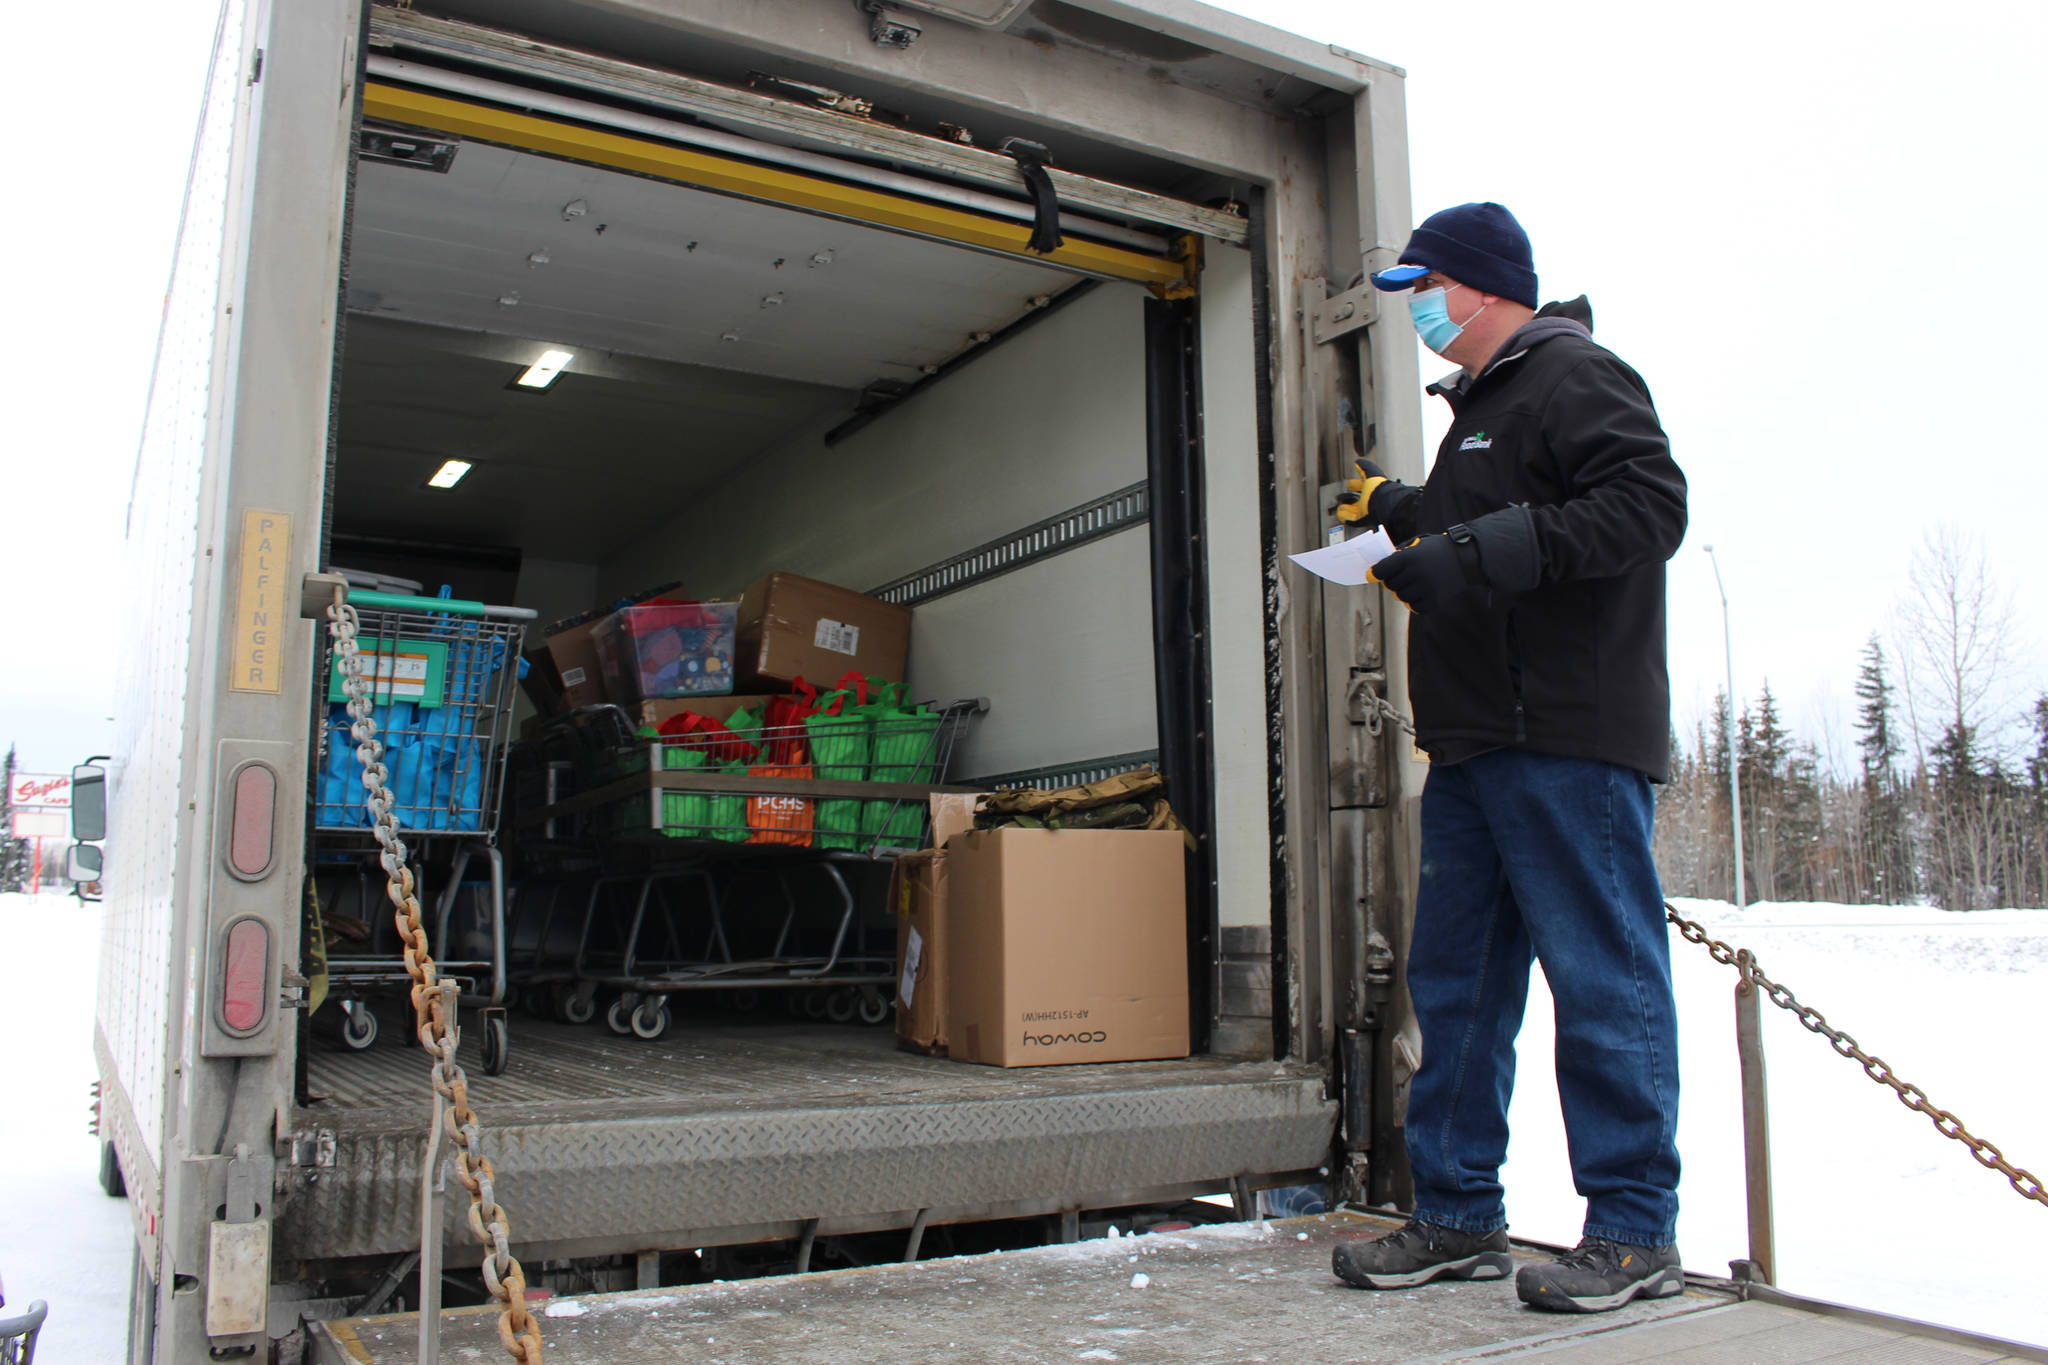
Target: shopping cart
point(442, 675)
point(728, 855)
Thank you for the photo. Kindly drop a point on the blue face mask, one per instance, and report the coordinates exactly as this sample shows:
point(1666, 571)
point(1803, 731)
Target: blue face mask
point(1431, 312)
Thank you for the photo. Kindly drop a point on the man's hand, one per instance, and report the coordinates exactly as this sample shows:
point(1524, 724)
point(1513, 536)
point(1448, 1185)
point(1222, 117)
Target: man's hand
point(1427, 573)
point(1355, 505)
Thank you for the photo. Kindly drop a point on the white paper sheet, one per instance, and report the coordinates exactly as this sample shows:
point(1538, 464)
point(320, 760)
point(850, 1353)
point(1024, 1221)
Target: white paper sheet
point(1347, 563)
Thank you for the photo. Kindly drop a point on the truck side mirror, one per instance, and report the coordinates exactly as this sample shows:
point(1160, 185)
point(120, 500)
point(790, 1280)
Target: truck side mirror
point(82, 868)
point(88, 805)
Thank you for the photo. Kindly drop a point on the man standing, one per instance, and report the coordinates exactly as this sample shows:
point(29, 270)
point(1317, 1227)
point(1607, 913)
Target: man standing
point(1533, 563)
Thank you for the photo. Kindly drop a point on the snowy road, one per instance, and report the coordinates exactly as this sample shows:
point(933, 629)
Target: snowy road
point(1874, 1207)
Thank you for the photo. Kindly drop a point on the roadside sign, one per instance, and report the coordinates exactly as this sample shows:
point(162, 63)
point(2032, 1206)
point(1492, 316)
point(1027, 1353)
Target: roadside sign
point(39, 791)
point(42, 824)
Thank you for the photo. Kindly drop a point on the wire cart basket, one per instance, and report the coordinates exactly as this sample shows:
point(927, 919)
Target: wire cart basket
point(442, 675)
point(685, 817)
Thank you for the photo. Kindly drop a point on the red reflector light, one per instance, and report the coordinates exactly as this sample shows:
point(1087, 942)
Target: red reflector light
point(250, 819)
point(245, 972)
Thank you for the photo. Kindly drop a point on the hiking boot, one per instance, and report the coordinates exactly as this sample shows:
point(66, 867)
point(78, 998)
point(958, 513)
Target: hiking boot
point(1599, 1276)
point(1420, 1252)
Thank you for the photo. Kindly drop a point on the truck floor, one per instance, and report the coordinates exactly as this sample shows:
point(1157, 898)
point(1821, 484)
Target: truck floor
point(1242, 1292)
point(745, 1130)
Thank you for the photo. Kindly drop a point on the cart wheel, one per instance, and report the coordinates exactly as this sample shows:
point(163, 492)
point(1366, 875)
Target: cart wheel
point(557, 1006)
point(580, 1007)
point(815, 1002)
point(358, 1026)
point(650, 1019)
point(874, 1008)
point(840, 1005)
point(745, 1001)
point(793, 1003)
point(497, 1044)
point(619, 1018)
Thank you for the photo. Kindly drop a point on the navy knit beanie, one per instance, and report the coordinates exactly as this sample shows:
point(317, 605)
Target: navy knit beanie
point(1478, 245)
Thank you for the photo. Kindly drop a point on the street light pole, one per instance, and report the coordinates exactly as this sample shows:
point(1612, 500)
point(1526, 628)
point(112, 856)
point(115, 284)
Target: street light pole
point(1734, 784)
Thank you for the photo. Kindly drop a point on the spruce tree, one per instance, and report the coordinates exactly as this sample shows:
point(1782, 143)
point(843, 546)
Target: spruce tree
point(15, 857)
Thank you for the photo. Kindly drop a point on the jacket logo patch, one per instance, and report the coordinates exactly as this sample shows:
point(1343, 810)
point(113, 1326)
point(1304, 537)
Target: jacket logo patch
point(1478, 440)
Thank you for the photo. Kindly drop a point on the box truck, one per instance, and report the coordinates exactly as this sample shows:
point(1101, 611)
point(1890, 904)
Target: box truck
point(1045, 318)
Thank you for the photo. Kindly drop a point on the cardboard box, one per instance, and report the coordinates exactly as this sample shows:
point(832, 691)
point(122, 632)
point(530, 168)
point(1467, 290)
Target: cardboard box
point(792, 628)
point(1066, 946)
point(681, 649)
point(572, 657)
point(917, 895)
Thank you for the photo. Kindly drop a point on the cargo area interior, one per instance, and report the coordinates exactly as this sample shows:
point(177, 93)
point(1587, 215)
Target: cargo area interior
point(749, 389)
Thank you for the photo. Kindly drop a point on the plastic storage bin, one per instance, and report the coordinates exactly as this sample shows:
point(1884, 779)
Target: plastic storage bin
point(657, 650)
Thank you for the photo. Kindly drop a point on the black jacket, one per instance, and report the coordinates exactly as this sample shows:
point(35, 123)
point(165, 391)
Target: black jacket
point(1565, 652)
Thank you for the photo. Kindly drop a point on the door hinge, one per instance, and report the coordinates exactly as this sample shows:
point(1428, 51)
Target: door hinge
point(1342, 314)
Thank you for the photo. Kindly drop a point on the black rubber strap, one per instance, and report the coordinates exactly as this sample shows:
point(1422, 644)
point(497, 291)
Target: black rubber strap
point(1032, 158)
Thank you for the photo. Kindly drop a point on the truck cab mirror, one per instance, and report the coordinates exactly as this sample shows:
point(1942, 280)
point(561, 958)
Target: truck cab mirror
point(82, 868)
point(88, 805)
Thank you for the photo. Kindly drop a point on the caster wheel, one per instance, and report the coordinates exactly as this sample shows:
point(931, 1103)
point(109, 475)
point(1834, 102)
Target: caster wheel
point(874, 1009)
point(619, 1018)
point(815, 1003)
point(840, 1005)
point(650, 1019)
point(793, 1004)
point(359, 1028)
point(497, 1044)
point(580, 1007)
point(745, 1002)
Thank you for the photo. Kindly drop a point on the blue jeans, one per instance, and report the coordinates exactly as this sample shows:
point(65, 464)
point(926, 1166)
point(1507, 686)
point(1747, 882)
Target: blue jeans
point(1530, 855)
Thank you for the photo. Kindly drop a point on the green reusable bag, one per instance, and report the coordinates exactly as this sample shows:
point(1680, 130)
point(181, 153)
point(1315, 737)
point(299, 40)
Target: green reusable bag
point(684, 815)
point(696, 743)
point(729, 813)
point(906, 750)
point(842, 746)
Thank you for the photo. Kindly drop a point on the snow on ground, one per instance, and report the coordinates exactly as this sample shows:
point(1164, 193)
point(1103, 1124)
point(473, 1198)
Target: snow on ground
point(1874, 1207)
point(61, 1240)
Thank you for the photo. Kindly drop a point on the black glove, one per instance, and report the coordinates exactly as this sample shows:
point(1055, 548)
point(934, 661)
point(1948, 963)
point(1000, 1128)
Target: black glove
point(1428, 572)
point(1497, 550)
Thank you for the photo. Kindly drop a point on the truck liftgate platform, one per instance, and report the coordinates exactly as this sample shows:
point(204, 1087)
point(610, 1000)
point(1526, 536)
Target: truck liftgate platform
point(1231, 1292)
point(759, 1129)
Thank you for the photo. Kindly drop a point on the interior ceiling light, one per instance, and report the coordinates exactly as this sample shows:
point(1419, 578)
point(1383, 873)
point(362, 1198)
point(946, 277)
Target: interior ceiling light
point(546, 370)
point(449, 474)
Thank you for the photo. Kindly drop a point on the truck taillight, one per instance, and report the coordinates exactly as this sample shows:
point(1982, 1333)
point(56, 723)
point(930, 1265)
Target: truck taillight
point(252, 811)
point(245, 974)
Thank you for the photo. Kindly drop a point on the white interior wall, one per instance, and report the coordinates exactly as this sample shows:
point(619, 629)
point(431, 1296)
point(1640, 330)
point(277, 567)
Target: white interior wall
point(556, 588)
point(1053, 417)
point(1236, 601)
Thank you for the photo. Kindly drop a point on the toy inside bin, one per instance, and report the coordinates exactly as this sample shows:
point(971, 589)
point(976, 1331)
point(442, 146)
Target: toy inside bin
point(667, 649)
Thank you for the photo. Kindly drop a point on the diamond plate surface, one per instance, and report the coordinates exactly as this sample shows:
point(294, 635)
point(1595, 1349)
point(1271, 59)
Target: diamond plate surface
point(818, 1129)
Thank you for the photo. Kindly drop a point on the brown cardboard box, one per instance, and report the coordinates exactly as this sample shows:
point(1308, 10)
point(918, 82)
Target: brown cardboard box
point(792, 628)
point(1066, 946)
point(573, 656)
point(718, 708)
point(917, 893)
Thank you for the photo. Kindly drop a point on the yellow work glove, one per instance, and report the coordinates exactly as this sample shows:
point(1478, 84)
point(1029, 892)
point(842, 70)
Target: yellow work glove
point(1355, 504)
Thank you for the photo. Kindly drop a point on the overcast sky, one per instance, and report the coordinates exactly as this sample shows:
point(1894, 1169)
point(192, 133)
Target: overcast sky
point(1815, 229)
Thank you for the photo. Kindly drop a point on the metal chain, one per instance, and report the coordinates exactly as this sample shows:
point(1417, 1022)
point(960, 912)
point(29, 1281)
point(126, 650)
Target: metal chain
point(1384, 709)
point(1912, 1096)
point(503, 1274)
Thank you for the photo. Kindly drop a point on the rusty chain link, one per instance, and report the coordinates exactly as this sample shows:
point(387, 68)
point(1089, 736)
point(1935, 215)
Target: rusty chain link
point(503, 1274)
point(1910, 1095)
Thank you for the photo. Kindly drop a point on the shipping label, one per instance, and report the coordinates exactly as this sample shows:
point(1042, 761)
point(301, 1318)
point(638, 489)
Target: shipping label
point(841, 637)
point(913, 954)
